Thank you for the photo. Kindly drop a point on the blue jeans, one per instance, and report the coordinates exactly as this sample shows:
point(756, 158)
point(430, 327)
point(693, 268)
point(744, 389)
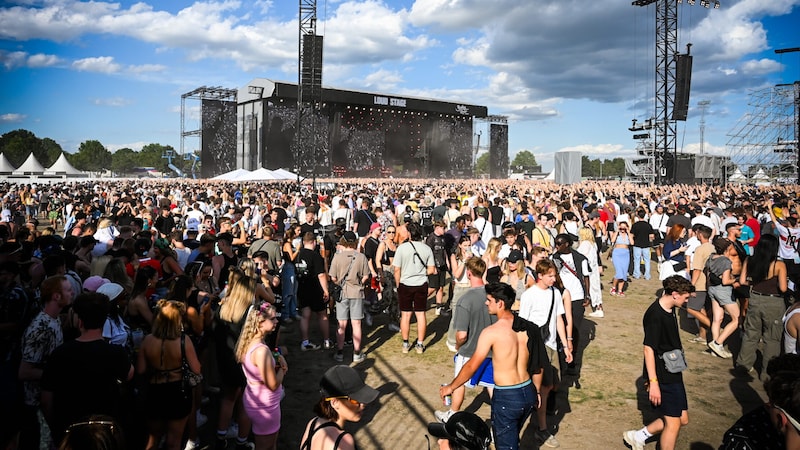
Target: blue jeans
point(641, 254)
point(511, 406)
point(289, 291)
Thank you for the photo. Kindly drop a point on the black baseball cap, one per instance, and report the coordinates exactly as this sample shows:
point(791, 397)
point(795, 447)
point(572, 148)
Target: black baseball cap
point(344, 381)
point(514, 256)
point(463, 428)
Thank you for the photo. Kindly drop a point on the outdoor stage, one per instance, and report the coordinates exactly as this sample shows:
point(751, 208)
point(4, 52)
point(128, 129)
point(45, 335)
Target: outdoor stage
point(347, 133)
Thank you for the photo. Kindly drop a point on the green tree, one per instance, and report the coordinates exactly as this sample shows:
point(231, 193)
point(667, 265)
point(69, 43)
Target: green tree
point(18, 144)
point(151, 156)
point(482, 165)
point(524, 159)
point(50, 151)
point(124, 160)
point(91, 156)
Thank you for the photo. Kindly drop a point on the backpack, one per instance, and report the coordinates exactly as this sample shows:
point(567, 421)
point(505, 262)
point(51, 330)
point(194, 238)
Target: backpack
point(712, 279)
point(301, 268)
point(426, 214)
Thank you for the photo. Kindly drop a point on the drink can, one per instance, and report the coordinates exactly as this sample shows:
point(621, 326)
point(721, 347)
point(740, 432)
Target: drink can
point(448, 399)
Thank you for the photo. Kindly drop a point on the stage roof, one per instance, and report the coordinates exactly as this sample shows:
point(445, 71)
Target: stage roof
point(277, 91)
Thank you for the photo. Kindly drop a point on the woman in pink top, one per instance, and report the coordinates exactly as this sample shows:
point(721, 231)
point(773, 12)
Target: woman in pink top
point(264, 372)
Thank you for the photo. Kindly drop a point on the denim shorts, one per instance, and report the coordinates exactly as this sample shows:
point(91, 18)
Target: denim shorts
point(511, 406)
point(722, 294)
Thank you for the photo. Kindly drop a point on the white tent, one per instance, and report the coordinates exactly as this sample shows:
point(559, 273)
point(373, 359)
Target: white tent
point(284, 174)
point(738, 176)
point(5, 166)
point(261, 174)
point(63, 167)
point(761, 178)
point(30, 167)
point(232, 175)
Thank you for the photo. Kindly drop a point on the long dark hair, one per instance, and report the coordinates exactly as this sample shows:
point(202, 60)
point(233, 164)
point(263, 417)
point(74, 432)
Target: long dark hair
point(764, 254)
point(143, 276)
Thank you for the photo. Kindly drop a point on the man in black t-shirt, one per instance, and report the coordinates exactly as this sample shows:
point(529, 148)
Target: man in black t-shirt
point(312, 291)
point(82, 377)
point(666, 390)
point(438, 280)
point(363, 218)
point(643, 237)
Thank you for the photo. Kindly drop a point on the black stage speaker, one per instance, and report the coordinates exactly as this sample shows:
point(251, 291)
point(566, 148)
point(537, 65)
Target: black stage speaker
point(311, 64)
point(683, 84)
point(683, 173)
point(498, 151)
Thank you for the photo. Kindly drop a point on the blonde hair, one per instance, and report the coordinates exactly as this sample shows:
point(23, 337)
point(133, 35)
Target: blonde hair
point(250, 331)
point(248, 266)
point(169, 319)
point(493, 248)
point(586, 234)
point(240, 296)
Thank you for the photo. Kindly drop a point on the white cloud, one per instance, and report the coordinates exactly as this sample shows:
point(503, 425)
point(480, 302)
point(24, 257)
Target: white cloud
point(102, 64)
point(113, 101)
point(368, 31)
point(761, 67)
point(145, 68)
point(12, 118)
point(14, 60)
point(383, 81)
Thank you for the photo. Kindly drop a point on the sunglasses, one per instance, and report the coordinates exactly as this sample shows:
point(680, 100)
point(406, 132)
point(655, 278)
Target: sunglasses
point(105, 423)
point(352, 402)
point(390, 232)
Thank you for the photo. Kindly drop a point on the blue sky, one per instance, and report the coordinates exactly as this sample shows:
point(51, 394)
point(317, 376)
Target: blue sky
point(570, 74)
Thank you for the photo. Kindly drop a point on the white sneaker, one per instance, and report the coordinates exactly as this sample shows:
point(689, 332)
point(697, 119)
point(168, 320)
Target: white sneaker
point(438, 310)
point(598, 313)
point(451, 347)
point(443, 416)
point(630, 438)
point(191, 445)
point(358, 357)
point(718, 350)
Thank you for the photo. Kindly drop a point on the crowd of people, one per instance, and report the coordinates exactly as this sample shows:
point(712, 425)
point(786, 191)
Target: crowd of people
point(129, 293)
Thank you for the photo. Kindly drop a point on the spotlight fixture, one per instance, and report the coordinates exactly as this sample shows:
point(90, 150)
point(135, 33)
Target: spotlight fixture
point(716, 4)
point(691, 2)
point(705, 3)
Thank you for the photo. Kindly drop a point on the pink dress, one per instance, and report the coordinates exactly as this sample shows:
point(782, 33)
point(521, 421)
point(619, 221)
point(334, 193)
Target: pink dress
point(262, 404)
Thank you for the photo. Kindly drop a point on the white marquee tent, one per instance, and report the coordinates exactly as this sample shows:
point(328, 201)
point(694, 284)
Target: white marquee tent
point(5, 166)
point(63, 167)
point(30, 167)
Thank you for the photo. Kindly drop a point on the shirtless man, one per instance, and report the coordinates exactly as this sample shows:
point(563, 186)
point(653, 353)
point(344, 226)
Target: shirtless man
point(517, 362)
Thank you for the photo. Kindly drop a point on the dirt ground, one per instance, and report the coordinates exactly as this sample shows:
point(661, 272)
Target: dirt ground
point(611, 399)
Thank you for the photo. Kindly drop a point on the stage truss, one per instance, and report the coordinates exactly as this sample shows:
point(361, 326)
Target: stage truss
point(764, 143)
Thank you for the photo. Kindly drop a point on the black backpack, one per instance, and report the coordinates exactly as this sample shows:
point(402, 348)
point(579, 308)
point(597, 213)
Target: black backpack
point(426, 216)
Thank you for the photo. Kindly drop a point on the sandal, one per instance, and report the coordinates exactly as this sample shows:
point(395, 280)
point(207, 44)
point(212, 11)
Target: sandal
point(613, 291)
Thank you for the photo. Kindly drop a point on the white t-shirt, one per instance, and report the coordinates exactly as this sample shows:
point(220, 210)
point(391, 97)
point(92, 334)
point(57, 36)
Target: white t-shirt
point(534, 306)
point(571, 282)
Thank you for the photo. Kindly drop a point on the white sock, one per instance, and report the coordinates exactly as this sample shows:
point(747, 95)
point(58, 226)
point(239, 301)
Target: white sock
point(643, 435)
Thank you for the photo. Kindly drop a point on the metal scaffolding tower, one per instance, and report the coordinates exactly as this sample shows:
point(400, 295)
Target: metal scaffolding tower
point(309, 88)
point(201, 93)
point(665, 129)
point(764, 143)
